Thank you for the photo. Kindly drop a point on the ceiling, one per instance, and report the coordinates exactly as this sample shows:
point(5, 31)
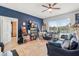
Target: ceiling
point(36, 8)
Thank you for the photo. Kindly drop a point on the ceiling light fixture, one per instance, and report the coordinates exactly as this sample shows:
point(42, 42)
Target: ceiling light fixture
point(49, 9)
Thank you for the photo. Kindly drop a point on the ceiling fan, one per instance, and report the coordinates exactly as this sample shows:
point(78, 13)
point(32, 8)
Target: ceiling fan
point(50, 7)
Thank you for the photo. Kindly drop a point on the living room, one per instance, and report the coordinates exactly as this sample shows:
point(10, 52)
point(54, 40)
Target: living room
point(50, 30)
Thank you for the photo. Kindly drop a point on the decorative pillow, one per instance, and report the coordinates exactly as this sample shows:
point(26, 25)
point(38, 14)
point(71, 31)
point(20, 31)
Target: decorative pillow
point(64, 37)
point(74, 45)
point(65, 45)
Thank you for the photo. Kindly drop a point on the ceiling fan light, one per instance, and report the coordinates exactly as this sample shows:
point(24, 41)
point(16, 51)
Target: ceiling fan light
point(49, 9)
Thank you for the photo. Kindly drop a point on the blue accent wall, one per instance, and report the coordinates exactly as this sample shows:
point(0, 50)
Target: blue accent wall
point(22, 17)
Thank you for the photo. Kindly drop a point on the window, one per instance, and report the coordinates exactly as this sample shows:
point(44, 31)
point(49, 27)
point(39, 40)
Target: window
point(59, 24)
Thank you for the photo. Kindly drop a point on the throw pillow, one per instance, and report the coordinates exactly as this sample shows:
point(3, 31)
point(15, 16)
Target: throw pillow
point(74, 45)
point(65, 45)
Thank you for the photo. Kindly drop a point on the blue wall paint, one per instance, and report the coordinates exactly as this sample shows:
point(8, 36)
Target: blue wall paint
point(22, 17)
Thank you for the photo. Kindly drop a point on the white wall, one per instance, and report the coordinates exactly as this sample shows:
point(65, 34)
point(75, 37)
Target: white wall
point(70, 15)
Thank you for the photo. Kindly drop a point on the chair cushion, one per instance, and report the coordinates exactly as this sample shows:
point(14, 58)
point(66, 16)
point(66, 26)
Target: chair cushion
point(55, 44)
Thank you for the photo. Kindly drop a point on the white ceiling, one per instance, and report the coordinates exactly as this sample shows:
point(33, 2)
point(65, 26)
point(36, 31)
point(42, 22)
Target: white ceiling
point(36, 8)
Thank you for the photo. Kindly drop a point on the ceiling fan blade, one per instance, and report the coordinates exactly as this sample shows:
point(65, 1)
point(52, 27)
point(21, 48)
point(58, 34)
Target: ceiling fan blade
point(54, 4)
point(45, 6)
point(44, 10)
point(55, 8)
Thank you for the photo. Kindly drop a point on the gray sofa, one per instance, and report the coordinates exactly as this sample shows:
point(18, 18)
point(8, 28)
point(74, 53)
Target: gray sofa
point(58, 51)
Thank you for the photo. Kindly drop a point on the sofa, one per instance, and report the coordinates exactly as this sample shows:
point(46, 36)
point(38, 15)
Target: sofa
point(53, 50)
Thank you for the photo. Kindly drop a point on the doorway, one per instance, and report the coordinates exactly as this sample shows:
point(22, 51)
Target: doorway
point(14, 31)
point(13, 24)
